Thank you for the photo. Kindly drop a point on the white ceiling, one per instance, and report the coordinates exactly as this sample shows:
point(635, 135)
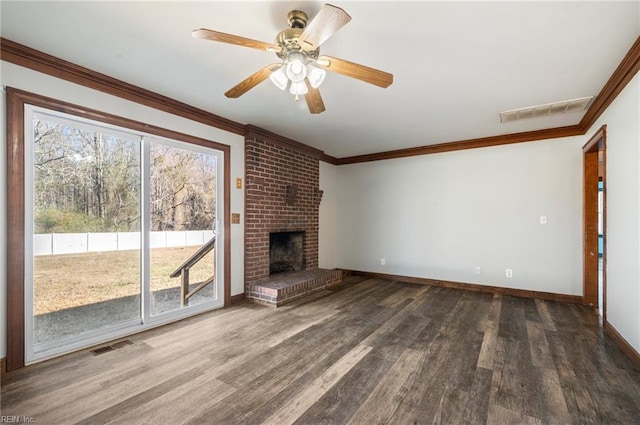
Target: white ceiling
point(456, 65)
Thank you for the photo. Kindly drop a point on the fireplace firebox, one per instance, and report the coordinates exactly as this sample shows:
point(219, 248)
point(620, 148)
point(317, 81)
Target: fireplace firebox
point(286, 252)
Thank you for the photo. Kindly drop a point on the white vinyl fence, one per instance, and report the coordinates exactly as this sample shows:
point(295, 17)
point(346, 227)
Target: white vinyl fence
point(75, 243)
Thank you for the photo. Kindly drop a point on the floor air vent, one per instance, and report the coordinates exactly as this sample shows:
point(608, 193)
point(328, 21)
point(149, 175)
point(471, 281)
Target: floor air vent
point(114, 346)
point(563, 107)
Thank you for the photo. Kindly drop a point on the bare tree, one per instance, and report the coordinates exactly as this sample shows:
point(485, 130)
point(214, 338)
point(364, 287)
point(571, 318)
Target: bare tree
point(90, 180)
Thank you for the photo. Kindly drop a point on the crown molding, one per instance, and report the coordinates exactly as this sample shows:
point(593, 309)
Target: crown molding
point(505, 139)
point(329, 159)
point(36, 60)
point(33, 59)
point(252, 131)
point(625, 72)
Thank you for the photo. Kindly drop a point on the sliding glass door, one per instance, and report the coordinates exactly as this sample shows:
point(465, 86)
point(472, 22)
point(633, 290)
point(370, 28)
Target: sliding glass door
point(182, 197)
point(121, 231)
point(86, 206)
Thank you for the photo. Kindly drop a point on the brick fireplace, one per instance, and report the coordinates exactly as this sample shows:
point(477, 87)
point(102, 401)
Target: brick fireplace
point(282, 194)
point(286, 252)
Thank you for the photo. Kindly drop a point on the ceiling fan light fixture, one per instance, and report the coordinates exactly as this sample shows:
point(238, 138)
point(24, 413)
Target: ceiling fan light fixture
point(300, 68)
point(316, 76)
point(279, 78)
point(298, 88)
point(296, 67)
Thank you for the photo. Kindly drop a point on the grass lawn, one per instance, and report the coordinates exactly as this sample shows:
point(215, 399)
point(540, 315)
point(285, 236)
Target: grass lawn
point(64, 281)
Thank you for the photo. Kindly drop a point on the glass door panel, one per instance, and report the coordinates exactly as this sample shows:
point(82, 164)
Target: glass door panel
point(182, 209)
point(85, 230)
point(120, 232)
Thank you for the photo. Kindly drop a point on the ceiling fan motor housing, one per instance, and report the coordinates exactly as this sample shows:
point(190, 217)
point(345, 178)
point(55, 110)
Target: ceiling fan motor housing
point(297, 19)
point(288, 38)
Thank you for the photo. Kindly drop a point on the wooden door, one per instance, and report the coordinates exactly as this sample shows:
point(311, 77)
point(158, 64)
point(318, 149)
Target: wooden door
point(594, 154)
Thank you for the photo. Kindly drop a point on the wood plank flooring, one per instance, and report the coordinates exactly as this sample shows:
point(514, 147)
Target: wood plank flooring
point(368, 352)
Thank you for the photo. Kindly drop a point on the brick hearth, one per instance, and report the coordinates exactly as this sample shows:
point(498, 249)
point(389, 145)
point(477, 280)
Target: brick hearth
point(282, 194)
point(283, 288)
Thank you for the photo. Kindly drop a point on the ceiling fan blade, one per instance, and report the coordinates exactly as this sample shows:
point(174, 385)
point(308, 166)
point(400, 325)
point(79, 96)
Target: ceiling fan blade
point(234, 39)
point(329, 20)
point(314, 100)
point(357, 71)
point(252, 81)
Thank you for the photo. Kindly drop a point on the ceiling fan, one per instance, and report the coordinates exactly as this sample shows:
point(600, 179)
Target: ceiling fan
point(302, 69)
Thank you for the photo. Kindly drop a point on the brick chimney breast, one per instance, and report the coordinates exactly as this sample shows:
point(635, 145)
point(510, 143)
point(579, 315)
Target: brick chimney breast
point(282, 194)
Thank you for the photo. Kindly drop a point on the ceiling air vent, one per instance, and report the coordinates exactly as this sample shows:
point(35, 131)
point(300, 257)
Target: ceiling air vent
point(573, 105)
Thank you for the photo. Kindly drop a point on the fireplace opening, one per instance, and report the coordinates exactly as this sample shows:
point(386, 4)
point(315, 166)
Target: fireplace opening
point(286, 252)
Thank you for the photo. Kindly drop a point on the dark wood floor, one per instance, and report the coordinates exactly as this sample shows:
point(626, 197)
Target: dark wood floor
point(370, 352)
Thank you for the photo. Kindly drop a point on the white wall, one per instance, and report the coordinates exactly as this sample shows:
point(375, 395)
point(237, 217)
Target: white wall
point(328, 220)
point(440, 216)
point(25, 79)
point(623, 211)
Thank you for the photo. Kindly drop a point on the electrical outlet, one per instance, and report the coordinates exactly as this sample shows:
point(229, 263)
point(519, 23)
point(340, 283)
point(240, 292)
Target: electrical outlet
point(383, 261)
point(478, 270)
point(509, 273)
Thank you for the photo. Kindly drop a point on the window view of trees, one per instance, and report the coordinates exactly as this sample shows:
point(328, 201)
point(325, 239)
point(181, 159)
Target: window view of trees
point(85, 181)
point(182, 189)
point(88, 181)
